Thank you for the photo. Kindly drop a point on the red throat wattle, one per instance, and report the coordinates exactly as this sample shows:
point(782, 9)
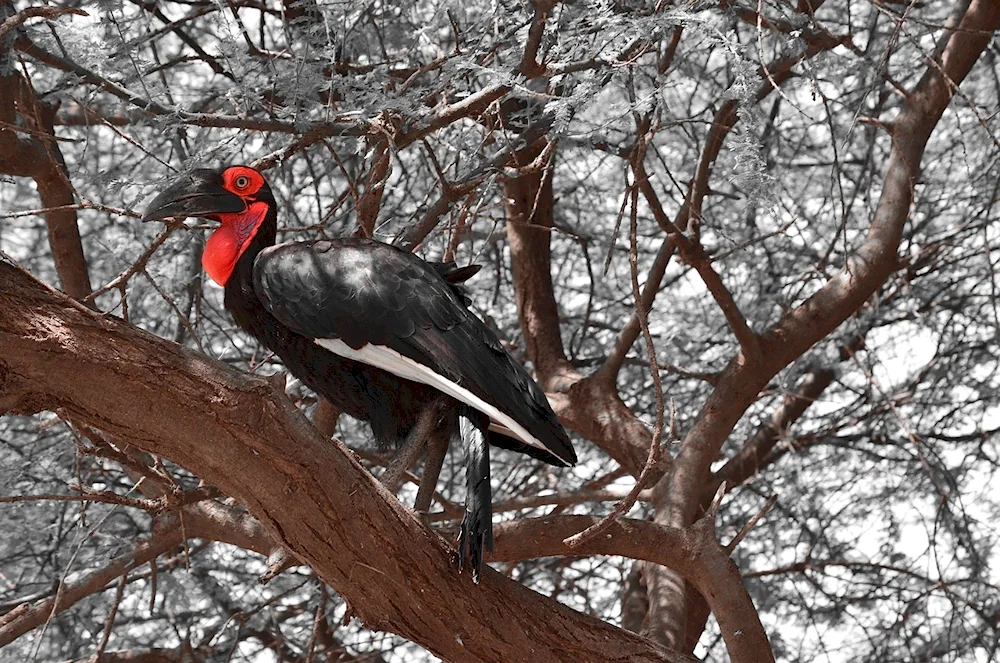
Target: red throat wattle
point(228, 243)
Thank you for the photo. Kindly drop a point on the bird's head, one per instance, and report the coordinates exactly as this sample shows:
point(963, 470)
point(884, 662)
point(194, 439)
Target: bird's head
point(238, 198)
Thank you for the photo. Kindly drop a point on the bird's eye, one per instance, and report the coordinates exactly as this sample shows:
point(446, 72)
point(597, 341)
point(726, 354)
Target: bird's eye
point(242, 182)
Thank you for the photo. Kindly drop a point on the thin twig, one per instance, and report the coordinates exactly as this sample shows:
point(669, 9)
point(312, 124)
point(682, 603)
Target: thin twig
point(731, 546)
point(36, 12)
point(139, 265)
point(183, 319)
point(318, 618)
point(83, 204)
point(653, 459)
point(110, 623)
point(53, 611)
point(85, 496)
point(694, 254)
point(713, 507)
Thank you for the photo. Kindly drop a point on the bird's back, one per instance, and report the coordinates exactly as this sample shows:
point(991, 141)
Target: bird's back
point(373, 303)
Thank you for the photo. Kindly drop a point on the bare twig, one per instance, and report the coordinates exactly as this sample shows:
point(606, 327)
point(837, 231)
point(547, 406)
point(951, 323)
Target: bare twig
point(85, 496)
point(110, 623)
point(654, 445)
point(36, 12)
point(695, 255)
point(140, 262)
point(731, 546)
point(83, 204)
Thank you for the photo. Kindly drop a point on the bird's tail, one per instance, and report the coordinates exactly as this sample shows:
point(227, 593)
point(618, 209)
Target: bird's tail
point(477, 525)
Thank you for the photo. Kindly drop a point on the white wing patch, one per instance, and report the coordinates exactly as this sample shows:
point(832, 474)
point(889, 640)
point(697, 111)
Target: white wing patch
point(389, 360)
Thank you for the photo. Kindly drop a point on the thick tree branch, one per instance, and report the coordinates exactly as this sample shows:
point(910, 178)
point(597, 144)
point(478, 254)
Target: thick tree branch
point(877, 257)
point(865, 272)
point(591, 407)
point(756, 451)
point(239, 433)
point(749, 459)
point(472, 106)
point(36, 12)
point(692, 551)
point(528, 201)
point(371, 200)
point(678, 499)
point(530, 66)
point(595, 410)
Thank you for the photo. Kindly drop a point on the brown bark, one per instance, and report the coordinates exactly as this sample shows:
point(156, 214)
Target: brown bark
point(691, 551)
point(10, 21)
point(297, 10)
point(591, 407)
point(184, 654)
point(750, 458)
point(325, 417)
point(689, 214)
point(33, 152)
point(529, 205)
point(678, 496)
point(747, 462)
point(240, 433)
point(371, 199)
point(635, 602)
point(594, 409)
point(530, 66)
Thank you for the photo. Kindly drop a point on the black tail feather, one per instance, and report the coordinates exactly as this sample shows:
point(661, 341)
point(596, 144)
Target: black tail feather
point(477, 525)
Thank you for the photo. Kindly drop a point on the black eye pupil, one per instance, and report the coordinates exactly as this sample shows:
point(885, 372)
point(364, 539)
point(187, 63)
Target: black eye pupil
point(242, 182)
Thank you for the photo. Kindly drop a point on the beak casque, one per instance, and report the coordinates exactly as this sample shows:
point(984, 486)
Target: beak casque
point(199, 193)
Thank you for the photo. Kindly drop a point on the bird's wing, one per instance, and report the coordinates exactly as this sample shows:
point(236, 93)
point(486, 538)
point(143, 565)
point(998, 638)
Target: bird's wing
point(385, 307)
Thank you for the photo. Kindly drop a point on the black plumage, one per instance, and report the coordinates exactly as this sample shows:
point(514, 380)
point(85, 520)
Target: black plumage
point(364, 291)
point(371, 295)
point(473, 426)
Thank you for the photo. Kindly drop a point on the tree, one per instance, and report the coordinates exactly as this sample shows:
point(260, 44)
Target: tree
point(747, 249)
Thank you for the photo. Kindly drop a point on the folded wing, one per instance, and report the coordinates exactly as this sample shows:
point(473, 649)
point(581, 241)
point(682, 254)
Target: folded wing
point(385, 307)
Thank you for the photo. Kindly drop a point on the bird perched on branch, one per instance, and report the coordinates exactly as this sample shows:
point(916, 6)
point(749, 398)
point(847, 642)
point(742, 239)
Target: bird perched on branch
point(385, 336)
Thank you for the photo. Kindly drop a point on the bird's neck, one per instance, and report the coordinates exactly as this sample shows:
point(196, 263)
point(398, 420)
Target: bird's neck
point(241, 299)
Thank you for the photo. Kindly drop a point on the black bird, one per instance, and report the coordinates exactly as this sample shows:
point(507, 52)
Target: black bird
point(384, 335)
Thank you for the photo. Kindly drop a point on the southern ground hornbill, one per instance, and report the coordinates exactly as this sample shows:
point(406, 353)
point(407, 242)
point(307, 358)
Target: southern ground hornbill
point(385, 336)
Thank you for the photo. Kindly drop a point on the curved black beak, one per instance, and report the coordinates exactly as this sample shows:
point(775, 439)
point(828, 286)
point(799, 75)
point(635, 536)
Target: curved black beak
point(199, 193)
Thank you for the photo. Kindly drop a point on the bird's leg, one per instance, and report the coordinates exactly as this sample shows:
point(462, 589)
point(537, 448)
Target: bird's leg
point(415, 440)
point(437, 447)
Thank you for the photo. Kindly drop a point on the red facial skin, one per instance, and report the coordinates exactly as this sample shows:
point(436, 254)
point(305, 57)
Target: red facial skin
point(228, 243)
